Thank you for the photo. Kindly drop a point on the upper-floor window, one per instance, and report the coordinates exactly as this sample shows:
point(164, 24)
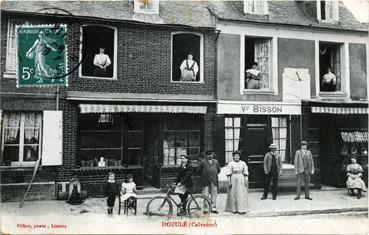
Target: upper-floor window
point(330, 68)
point(11, 47)
point(98, 52)
point(327, 10)
point(147, 6)
point(257, 64)
point(256, 7)
point(187, 57)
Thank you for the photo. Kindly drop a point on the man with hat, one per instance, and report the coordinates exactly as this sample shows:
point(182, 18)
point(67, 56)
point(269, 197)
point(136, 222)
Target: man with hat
point(304, 167)
point(272, 169)
point(208, 170)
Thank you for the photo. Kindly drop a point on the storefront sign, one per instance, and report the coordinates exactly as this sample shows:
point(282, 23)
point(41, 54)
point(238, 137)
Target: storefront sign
point(260, 108)
point(352, 137)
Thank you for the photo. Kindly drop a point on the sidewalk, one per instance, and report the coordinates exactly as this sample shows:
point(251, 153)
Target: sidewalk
point(324, 201)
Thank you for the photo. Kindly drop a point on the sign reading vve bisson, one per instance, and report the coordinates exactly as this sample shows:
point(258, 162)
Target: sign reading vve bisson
point(42, 55)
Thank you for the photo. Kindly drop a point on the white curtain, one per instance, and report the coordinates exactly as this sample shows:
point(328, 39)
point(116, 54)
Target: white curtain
point(232, 136)
point(11, 127)
point(329, 10)
point(32, 125)
point(279, 132)
point(262, 57)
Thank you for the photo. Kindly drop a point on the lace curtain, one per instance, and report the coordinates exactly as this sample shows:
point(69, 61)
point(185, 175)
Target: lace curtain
point(32, 124)
point(262, 58)
point(11, 128)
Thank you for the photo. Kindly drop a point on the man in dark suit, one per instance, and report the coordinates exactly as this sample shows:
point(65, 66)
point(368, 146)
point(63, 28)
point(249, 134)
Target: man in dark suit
point(272, 169)
point(184, 182)
point(304, 167)
point(208, 170)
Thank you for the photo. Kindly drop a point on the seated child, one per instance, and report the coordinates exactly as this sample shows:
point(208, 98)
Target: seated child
point(128, 189)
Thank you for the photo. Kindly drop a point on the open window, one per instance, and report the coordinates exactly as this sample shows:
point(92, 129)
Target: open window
point(327, 10)
point(187, 57)
point(146, 6)
point(330, 69)
point(259, 7)
point(258, 64)
point(98, 52)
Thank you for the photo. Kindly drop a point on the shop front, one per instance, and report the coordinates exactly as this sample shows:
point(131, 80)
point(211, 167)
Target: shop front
point(340, 131)
point(144, 140)
point(252, 127)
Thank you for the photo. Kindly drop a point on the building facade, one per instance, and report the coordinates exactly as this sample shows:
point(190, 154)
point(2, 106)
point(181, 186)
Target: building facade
point(294, 43)
point(139, 113)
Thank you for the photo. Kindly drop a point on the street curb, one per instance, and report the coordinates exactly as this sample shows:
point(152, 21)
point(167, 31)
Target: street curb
point(301, 212)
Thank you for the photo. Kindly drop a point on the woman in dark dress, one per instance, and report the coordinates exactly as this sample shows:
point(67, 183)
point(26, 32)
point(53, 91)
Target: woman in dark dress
point(111, 190)
point(184, 182)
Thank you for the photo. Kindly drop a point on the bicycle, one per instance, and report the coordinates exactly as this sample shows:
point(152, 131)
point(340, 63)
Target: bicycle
point(196, 205)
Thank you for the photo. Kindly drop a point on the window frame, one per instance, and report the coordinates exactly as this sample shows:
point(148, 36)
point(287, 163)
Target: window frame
point(154, 11)
point(233, 137)
point(273, 65)
point(11, 39)
point(115, 77)
point(287, 138)
point(20, 162)
point(264, 10)
point(335, 18)
point(188, 147)
point(201, 63)
point(344, 64)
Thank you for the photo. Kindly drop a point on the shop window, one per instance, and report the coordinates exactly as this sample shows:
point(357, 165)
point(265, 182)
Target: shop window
point(232, 136)
point(111, 139)
point(11, 47)
point(330, 67)
point(180, 142)
point(146, 6)
point(21, 138)
point(327, 10)
point(187, 57)
point(255, 6)
point(279, 132)
point(98, 52)
point(257, 64)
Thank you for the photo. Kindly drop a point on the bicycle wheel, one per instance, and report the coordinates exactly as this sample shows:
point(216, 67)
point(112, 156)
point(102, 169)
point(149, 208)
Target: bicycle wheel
point(159, 206)
point(199, 206)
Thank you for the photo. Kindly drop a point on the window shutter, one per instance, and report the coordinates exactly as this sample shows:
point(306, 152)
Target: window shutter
point(265, 7)
point(247, 6)
point(52, 154)
point(219, 145)
point(335, 10)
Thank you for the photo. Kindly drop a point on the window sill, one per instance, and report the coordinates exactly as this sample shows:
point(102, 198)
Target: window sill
point(190, 82)
point(9, 74)
point(102, 78)
point(258, 92)
point(332, 95)
point(328, 21)
point(19, 168)
point(84, 168)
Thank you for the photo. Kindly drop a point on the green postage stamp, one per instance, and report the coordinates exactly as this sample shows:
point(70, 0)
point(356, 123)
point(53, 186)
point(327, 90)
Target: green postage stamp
point(42, 55)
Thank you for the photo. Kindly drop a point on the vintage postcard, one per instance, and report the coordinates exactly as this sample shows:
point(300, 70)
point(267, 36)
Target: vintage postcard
point(184, 117)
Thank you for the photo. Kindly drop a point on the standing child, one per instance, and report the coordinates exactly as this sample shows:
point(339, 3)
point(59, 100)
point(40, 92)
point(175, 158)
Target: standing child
point(128, 190)
point(111, 191)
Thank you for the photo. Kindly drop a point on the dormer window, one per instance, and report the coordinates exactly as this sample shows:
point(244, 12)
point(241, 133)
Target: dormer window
point(147, 6)
point(327, 10)
point(259, 7)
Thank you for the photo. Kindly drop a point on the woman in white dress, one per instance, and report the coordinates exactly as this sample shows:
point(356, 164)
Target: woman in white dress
point(189, 69)
point(237, 195)
point(354, 181)
point(101, 62)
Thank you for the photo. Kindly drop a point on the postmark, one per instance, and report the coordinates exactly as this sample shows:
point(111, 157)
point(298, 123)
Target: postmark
point(42, 55)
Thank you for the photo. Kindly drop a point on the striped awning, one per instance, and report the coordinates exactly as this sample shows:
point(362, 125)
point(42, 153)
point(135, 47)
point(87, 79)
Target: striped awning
point(118, 108)
point(339, 110)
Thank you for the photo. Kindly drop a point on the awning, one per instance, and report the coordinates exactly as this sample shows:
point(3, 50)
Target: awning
point(118, 108)
point(339, 110)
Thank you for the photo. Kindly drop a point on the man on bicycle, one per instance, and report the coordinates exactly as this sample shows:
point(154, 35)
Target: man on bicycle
point(184, 182)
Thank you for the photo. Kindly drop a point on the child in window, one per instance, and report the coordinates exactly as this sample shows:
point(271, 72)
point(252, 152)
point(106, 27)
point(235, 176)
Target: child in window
point(111, 191)
point(128, 190)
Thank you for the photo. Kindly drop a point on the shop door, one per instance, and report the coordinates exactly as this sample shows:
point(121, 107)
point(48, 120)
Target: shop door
point(151, 154)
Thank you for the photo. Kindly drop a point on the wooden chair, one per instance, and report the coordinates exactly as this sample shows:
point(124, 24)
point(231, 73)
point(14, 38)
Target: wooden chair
point(130, 203)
